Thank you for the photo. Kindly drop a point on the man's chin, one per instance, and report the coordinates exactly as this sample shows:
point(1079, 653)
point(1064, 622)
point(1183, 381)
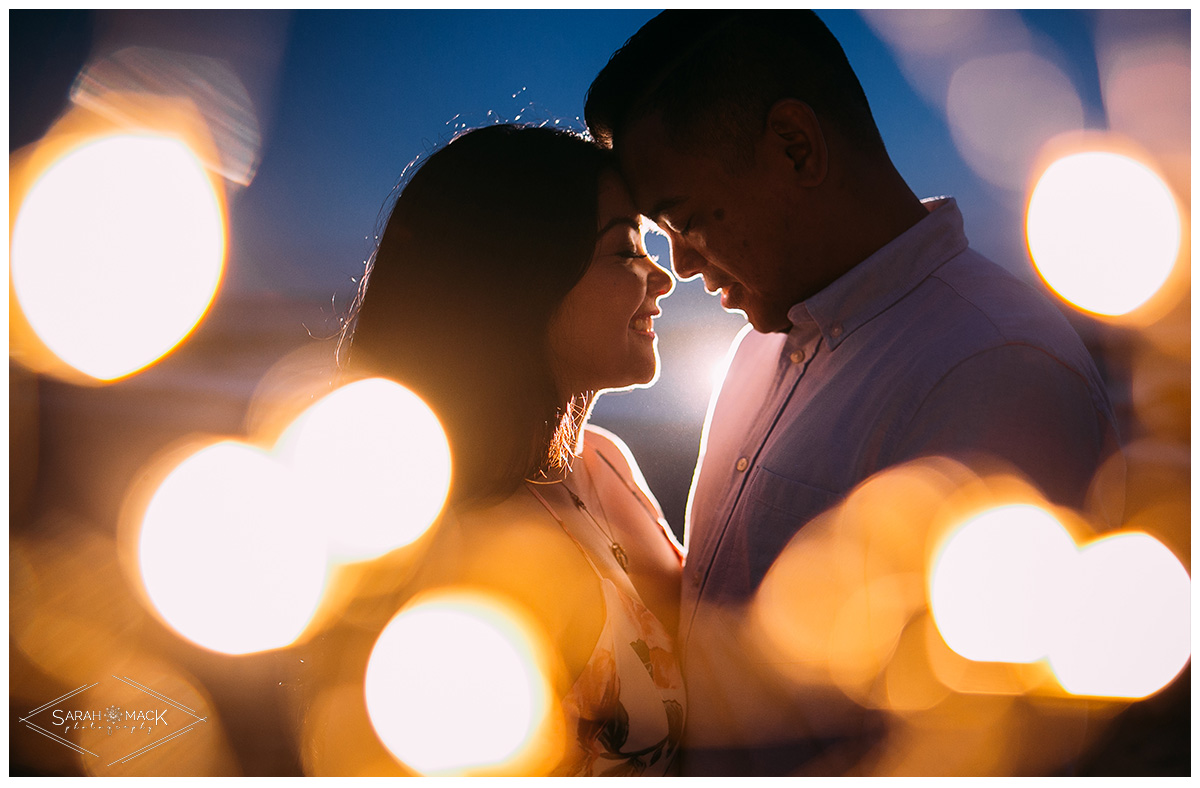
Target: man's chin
point(764, 324)
point(760, 318)
point(732, 306)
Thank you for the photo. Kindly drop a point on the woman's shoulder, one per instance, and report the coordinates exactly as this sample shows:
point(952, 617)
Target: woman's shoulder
point(618, 456)
point(607, 443)
point(615, 451)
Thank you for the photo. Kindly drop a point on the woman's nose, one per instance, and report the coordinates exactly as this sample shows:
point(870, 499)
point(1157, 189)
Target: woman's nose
point(659, 280)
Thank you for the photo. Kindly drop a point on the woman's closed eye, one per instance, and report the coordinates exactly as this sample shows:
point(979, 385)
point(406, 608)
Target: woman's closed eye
point(628, 245)
point(633, 254)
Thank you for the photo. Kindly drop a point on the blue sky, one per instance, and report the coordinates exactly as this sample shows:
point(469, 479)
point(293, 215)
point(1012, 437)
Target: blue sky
point(347, 99)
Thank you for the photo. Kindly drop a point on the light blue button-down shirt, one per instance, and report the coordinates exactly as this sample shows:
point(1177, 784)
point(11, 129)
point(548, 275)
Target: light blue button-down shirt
point(924, 348)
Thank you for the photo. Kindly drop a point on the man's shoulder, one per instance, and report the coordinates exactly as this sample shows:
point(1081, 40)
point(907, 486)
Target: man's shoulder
point(976, 301)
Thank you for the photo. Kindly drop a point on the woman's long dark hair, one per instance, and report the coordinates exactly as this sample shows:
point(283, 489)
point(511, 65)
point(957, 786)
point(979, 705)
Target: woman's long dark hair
point(481, 247)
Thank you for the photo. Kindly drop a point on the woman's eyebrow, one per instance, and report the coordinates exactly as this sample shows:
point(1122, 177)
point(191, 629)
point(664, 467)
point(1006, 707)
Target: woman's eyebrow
point(620, 221)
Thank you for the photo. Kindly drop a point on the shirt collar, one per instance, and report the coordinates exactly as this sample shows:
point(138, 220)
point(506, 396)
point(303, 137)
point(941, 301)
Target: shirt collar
point(886, 276)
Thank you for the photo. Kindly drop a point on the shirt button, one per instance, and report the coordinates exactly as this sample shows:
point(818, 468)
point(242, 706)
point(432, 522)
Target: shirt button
point(696, 579)
point(743, 464)
point(836, 331)
point(797, 356)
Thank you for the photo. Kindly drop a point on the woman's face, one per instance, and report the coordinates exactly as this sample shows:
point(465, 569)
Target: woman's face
point(602, 335)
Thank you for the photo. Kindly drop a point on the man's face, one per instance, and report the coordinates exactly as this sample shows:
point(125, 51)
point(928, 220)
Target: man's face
point(737, 229)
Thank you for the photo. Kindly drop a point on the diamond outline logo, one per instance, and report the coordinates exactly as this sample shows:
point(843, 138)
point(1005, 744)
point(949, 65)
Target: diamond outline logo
point(27, 720)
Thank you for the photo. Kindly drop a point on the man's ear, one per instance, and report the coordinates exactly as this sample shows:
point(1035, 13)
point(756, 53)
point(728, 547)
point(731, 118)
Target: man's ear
point(794, 131)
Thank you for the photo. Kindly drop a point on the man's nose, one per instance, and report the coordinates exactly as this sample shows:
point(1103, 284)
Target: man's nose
point(685, 260)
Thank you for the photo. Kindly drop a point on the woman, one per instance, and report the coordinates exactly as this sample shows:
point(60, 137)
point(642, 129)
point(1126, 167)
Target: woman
point(510, 286)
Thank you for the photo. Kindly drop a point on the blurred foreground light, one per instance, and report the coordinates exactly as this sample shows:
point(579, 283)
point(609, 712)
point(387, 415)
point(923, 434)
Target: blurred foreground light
point(454, 684)
point(117, 252)
point(930, 45)
point(1003, 108)
point(1144, 60)
point(130, 86)
point(1103, 230)
point(995, 588)
point(228, 552)
point(1112, 619)
point(1128, 633)
point(376, 462)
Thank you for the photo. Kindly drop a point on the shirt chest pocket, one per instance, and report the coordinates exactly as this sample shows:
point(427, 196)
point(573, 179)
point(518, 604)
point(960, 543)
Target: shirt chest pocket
point(773, 508)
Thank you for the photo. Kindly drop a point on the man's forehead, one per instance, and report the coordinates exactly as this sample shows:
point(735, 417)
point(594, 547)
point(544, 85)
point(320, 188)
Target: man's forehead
point(642, 137)
point(651, 166)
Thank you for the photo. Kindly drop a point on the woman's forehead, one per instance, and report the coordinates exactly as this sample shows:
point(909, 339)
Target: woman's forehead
point(615, 205)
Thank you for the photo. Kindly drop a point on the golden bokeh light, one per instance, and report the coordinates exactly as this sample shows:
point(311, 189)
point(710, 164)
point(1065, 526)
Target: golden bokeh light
point(995, 587)
point(335, 734)
point(73, 623)
point(55, 615)
point(1109, 620)
point(1128, 632)
point(1104, 231)
point(457, 684)
point(228, 552)
point(117, 252)
point(376, 462)
point(864, 561)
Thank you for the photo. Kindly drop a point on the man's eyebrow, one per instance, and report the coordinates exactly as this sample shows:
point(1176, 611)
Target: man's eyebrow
point(662, 206)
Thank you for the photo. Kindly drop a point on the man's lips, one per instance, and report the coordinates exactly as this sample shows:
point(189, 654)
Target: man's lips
point(715, 287)
point(729, 295)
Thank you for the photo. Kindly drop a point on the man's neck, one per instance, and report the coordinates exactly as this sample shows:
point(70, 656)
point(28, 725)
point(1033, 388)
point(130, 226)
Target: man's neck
point(880, 207)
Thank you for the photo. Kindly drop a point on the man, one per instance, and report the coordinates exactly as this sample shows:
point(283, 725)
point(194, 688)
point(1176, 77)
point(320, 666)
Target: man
point(878, 335)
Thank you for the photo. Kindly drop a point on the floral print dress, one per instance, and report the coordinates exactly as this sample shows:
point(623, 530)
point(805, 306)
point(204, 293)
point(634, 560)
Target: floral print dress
point(625, 712)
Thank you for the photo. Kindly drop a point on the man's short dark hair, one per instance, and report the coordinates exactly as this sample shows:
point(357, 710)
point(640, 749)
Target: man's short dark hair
point(714, 75)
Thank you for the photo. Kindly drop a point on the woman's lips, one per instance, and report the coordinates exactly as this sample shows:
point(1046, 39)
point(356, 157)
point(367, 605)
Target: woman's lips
point(643, 323)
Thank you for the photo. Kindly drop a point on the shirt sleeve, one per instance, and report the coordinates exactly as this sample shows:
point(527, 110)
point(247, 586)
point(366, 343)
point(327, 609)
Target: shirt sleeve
point(1020, 405)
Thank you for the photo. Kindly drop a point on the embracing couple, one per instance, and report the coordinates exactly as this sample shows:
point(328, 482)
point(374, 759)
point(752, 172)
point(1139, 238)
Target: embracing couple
point(511, 286)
